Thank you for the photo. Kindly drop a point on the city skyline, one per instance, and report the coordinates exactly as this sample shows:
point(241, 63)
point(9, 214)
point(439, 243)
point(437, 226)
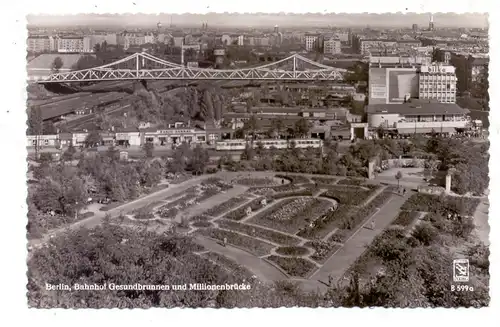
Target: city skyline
point(262, 20)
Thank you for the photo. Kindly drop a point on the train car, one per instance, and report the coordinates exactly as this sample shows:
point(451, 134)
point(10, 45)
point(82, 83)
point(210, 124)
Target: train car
point(240, 144)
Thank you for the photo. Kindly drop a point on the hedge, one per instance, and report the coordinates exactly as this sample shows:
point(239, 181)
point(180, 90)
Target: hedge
point(263, 233)
point(348, 195)
point(325, 180)
point(324, 224)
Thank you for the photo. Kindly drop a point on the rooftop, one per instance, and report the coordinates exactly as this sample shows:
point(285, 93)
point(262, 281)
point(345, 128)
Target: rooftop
point(416, 108)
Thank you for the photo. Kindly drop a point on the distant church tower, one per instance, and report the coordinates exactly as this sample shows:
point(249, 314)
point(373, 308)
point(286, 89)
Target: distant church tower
point(431, 23)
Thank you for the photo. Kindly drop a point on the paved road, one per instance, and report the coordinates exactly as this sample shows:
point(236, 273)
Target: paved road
point(260, 268)
point(339, 263)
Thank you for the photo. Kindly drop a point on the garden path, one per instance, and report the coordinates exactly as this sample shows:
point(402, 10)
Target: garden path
point(340, 261)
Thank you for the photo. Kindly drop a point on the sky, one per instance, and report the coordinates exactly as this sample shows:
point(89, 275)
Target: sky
point(468, 20)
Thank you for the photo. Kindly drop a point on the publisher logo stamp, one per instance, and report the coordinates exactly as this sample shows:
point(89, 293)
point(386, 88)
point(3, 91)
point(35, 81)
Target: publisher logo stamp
point(461, 270)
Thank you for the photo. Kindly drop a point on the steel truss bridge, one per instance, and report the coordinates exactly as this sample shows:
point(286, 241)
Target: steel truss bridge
point(143, 66)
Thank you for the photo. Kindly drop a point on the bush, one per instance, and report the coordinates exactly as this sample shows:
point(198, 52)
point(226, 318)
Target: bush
point(297, 267)
point(425, 234)
point(405, 218)
point(435, 203)
point(255, 231)
point(324, 180)
point(292, 250)
point(349, 181)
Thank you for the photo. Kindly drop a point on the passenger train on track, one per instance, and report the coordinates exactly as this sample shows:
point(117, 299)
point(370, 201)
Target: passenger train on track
point(240, 144)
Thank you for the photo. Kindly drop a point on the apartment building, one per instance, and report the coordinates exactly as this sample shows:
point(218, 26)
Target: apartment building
point(72, 44)
point(311, 41)
point(332, 46)
point(438, 82)
point(40, 43)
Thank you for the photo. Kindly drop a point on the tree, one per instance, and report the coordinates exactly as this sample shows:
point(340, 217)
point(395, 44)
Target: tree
point(199, 159)
point(277, 125)
point(35, 121)
point(302, 127)
point(252, 125)
point(93, 139)
point(148, 149)
point(57, 64)
point(69, 153)
point(398, 176)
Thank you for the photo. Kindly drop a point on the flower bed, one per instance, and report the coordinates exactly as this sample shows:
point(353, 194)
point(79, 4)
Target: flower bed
point(292, 250)
point(351, 222)
point(292, 214)
point(405, 218)
point(296, 267)
point(171, 209)
point(348, 195)
point(305, 192)
point(226, 206)
point(190, 190)
point(229, 265)
point(349, 181)
point(250, 244)
point(324, 180)
point(435, 203)
point(295, 179)
point(322, 250)
point(274, 189)
point(240, 213)
point(320, 227)
point(255, 231)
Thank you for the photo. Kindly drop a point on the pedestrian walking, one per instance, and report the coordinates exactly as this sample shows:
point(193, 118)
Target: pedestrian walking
point(224, 242)
point(330, 280)
point(372, 224)
point(282, 181)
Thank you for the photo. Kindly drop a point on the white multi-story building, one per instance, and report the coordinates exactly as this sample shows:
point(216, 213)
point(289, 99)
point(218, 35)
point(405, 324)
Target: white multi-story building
point(438, 82)
point(332, 46)
point(39, 43)
point(70, 44)
point(241, 40)
point(311, 41)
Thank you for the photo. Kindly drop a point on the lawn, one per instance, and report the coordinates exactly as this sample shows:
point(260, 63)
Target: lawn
point(240, 213)
point(226, 206)
point(253, 181)
point(292, 214)
point(263, 233)
point(349, 195)
point(250, 244)
point(435, 203)
point(296, 267)
point(145, 212)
